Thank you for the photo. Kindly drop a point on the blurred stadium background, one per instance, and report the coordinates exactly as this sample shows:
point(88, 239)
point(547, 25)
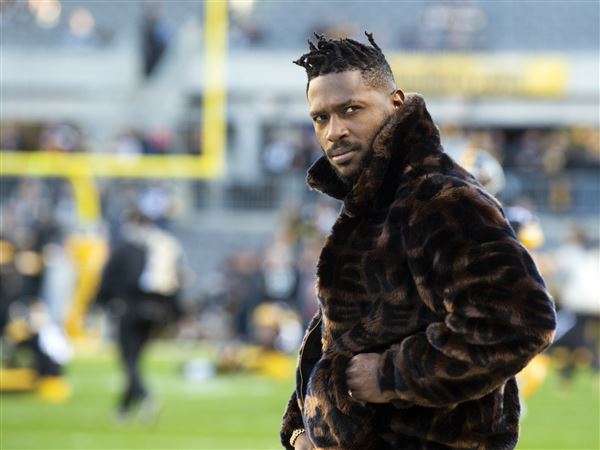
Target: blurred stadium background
point(192, 114)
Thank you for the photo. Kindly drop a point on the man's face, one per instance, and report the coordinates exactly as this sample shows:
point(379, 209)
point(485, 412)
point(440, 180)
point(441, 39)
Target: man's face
point(347, 113)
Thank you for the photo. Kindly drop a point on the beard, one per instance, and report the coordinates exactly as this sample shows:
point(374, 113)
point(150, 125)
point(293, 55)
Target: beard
point(351, 179)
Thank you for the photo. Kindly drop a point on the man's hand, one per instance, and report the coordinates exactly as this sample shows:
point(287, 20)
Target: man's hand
point(362, 379)
point(303, 443)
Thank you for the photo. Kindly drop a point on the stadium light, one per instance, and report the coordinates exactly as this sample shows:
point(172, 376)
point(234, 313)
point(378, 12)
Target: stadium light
point(241, 7)
point(47, 13)
point(81, 22)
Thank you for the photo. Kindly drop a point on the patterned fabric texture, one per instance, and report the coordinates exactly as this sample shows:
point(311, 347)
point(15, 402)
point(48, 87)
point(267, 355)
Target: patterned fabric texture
point(423, 268)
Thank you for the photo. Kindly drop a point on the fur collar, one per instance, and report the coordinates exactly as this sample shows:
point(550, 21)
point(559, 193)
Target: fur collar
point(407, 138)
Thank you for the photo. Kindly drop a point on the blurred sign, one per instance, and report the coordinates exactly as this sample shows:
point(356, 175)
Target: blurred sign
point(482, 75)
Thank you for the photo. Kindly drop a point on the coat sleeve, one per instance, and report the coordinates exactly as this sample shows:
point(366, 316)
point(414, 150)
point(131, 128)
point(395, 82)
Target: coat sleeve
point(469, 268)
point(292, 420)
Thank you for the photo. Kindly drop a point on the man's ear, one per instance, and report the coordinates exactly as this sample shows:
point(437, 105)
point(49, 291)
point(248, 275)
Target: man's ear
point(397, 98)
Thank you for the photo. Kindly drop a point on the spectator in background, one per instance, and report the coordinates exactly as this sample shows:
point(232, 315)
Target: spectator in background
point(10, 138)
point(30, 329)
point(32, 136)
point(278, 155)
point(529, 156)
point(140, 287)
point(62, 137)
point(308, 302)
point(245, 33)
point(584, 149)
point(29, 231)
point(279, 269)
point(244, 289)
point(308, 150)
point(157, 141)
point(473, 154)
point(128, 143)
point(157, 203)
point(290, 149)
point(555, 149)
point(244, 30)
point(447, 25)
point(577, 271)
point(156, 36)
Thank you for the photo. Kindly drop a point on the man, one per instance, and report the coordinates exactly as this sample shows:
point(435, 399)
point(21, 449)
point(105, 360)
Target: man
point(140, 286)
point(429, 305)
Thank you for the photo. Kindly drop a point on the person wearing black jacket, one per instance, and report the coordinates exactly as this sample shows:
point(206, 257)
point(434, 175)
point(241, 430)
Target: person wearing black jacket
point(140, 286)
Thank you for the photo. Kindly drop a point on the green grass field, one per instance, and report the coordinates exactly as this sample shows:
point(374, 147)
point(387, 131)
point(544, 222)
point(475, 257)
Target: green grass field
point(234, 412)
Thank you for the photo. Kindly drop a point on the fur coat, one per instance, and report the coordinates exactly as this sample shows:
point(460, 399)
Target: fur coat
point(423, 268)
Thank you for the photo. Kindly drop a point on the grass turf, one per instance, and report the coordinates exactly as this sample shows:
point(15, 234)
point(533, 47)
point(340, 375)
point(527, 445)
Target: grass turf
point(235, 411)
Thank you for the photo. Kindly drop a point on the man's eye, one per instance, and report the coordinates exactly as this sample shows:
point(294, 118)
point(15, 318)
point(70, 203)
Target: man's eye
point(319, 119)
point(351, 109)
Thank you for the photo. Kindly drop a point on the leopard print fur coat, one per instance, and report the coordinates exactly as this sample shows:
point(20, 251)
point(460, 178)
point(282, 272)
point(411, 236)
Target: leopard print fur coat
point(422, 267)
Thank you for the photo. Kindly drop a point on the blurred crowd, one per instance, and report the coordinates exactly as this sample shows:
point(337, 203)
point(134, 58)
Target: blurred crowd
point(439, 25)
point(292, 148)
point(255, 296)
point(288, 149)
point(67, 137)
point(59, 137)
point(546, 151)
point(279, 273)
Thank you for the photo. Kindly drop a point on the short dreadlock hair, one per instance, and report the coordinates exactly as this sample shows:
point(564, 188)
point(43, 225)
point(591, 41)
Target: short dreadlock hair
point(342, 55)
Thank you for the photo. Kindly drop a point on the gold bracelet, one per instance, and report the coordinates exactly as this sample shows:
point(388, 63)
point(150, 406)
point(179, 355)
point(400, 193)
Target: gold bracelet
point(295, 435)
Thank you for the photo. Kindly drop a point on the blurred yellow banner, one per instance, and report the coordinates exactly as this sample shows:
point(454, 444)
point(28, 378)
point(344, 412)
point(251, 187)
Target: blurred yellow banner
point(482, 75)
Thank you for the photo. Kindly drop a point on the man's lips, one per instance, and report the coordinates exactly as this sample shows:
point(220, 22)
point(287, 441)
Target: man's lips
point(344, 156)
point(342, 153)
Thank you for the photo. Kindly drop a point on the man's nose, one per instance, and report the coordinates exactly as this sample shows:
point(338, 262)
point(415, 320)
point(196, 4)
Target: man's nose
point(337, 130)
